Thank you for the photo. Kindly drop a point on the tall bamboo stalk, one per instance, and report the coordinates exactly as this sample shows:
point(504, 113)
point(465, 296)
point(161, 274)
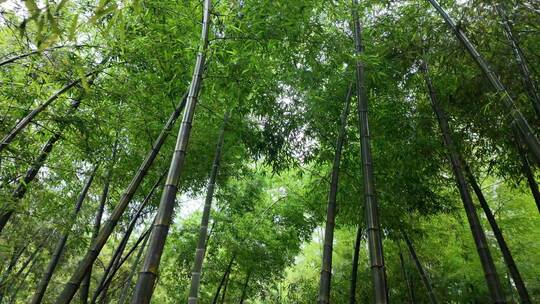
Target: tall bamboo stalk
point(373, 230)
point(421, 270)
point(21, 56)
point(354, 272)
point(105, 232)
point(408, 281)
point(16, 290)
point(7, 283)
point(193, 297)
point(36, 166)
point(528, 82)
point(224, 294)
point(85, 285)
point(19, 276)
point(507, 255)
point(245, 287)
point(517, 117)
point(326, 269)
point(61, 244)
point(17, 253)
point(527, 171)
point(490, 271)
point(147, 276)
point(223, 280)
point(21, 125)
point(143, 238)
point(124, 294)
point(117, 255)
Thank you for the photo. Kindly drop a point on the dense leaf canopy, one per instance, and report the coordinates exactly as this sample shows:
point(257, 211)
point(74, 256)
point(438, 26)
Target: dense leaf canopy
point(89, 88)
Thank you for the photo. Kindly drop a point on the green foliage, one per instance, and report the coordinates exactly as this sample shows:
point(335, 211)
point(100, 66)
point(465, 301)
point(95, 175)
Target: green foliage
point(283, 69)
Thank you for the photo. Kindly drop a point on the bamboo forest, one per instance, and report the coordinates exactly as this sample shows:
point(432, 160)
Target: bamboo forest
point(269, 151)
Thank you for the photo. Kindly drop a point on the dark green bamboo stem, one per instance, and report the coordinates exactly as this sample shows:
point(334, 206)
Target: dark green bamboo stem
point(528, 172)
point(21, 125)
point(373, 229)
point(105, 232)
point(421, 270)
point(116, 257)
point(196, 273)
point(354, 272)
point(406, 277)
point(124, 294)
point(522, 62)
point(505, 251)
point(223, 280)
point(34, 169)
point(488, 266)
point(326, 269)
point(517, 117)
point(61, 244)
point(85, 285)
point(143, 238)
point(245, 288)
point(148, 275)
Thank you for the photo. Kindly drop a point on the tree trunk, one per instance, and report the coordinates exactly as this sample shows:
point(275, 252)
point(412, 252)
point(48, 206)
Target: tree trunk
point(125, 291)
point(85, 285)
point(30, 116)
point(16, 290)
point(224, 294)
point(142, 239)
point(91, 255)
point(203, 231)
point(421, 270)
point(7, 284)
point(326, 269)
point(354, 273)
point(17, 253)
point(223, 279)
point(117, 255)
point(373, 230)
point(32, 172)
point(406, 277)
point(18, 57)
point(147, 276)
point(244, 288)
point(522, 62)
point(490, 272)
point(61, 244)
point(523, 126)
point(527, 171)
point(507, 255)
